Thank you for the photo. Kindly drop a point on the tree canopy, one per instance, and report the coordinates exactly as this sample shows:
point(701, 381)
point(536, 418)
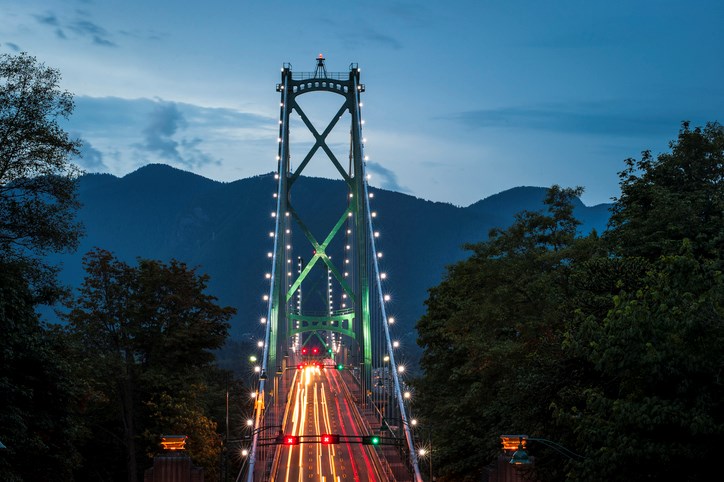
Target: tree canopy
point(38, 198)
point(145, 335)
point(610, 346)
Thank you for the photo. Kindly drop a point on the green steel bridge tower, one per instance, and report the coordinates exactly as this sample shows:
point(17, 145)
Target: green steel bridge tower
point(287, 319)
point(343, 310)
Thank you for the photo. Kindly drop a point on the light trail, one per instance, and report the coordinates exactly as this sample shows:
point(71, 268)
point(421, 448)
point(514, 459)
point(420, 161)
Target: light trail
point(352, 462)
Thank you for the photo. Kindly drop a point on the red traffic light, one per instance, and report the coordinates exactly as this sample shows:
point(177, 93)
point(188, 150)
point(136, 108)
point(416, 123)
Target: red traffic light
point(315, 350)
point(291, 440)
point(300, 367)
point(304, 351)
point(329, 438)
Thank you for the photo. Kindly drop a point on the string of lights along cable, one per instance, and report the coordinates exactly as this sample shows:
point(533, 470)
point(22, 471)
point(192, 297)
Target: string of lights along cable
point(329, 399)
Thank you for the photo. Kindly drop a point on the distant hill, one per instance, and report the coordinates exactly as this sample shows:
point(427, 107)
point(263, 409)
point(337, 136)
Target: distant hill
point(161, 213)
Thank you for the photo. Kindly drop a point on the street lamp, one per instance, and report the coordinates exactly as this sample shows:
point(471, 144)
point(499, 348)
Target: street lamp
point(426, 453)
point(244, 452)
point(520, 456)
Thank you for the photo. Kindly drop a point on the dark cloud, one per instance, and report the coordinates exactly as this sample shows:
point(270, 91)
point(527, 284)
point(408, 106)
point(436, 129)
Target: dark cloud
point(47, 19)
point(164, 123)
point(388, 179)
point(80, 26)
point(86, 28)
point(362, 35)
point(12, 46)
point(91, 159)
point(583, 119)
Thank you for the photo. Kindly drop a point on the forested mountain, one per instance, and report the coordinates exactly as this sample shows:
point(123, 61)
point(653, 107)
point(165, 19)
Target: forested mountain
point(159, 212)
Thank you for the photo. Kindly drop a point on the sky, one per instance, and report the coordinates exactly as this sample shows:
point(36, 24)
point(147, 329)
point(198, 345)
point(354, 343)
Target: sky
point(464, 99)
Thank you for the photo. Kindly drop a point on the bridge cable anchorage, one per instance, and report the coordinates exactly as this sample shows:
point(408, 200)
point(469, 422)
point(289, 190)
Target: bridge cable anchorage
point(316, 330)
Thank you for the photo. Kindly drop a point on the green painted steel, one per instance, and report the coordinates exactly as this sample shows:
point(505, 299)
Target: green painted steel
point(287, 321)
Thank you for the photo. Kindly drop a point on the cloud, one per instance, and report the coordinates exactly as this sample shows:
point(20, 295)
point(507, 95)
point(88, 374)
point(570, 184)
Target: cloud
point(217, 142)
point(362, 36)
point(388, 179)
point(86, 28)
point(12, 46)
point(91, 159)
point(164, 123)
point(591, 118)
point(47, 19)
point(81, 27)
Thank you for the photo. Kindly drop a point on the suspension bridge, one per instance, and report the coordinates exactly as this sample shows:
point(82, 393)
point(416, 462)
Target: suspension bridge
point(330, 403)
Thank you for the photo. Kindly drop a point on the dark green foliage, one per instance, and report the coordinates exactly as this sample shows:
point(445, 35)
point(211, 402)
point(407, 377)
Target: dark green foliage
point(612, 347)
point(657, 407)
point(145, 336)
point(492, 337)
point(37, 181)
point(39, 419)
point(679, 195)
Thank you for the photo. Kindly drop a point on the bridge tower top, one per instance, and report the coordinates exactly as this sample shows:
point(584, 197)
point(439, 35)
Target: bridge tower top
point(321, 71)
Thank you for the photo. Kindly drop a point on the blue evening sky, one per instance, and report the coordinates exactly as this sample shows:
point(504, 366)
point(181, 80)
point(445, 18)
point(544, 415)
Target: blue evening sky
point(464, 99)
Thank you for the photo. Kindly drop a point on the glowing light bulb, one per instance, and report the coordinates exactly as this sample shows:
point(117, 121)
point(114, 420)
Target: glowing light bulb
point(383, 275)
point(387, 297)
point(391, 320)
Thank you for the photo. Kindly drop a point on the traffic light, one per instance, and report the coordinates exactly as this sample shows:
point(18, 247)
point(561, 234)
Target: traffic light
point(300, 366)
point(329, 438)
point(329, 350)
point(291, 440)
point(370, 440)
point(340, 366)
point(304, 351)
point(315, 350)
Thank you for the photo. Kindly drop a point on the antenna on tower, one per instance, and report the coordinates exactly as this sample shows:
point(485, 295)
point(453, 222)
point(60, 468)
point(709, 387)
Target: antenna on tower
point(321, 70)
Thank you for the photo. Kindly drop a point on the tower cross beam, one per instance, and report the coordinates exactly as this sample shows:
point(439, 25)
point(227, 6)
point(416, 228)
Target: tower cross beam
point(320, 142)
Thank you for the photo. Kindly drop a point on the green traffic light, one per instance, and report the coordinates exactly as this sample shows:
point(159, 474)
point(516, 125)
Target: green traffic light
point(370, 440)
point(340, 366)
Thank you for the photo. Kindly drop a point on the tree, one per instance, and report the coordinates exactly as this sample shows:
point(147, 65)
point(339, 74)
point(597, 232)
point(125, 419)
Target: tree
point(37, 180)
point(610, 346)
point(653, 407)
point(492, 334)
point(40, 421)
point(39, 395)
point(679, 195)
point(654, 410)
point(146, 333)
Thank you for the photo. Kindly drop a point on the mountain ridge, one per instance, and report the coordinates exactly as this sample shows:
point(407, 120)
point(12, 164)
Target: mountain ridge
point(160, 212)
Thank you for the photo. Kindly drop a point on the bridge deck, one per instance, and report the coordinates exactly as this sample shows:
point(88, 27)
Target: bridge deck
point(319, 403)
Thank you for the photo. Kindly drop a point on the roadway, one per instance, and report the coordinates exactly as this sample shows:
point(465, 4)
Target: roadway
point(319, 404)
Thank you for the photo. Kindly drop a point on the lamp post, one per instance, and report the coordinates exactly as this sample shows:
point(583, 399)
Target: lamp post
point(244, 451)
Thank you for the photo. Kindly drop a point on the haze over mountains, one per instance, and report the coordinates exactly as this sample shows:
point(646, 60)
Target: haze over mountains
point(160, 212)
